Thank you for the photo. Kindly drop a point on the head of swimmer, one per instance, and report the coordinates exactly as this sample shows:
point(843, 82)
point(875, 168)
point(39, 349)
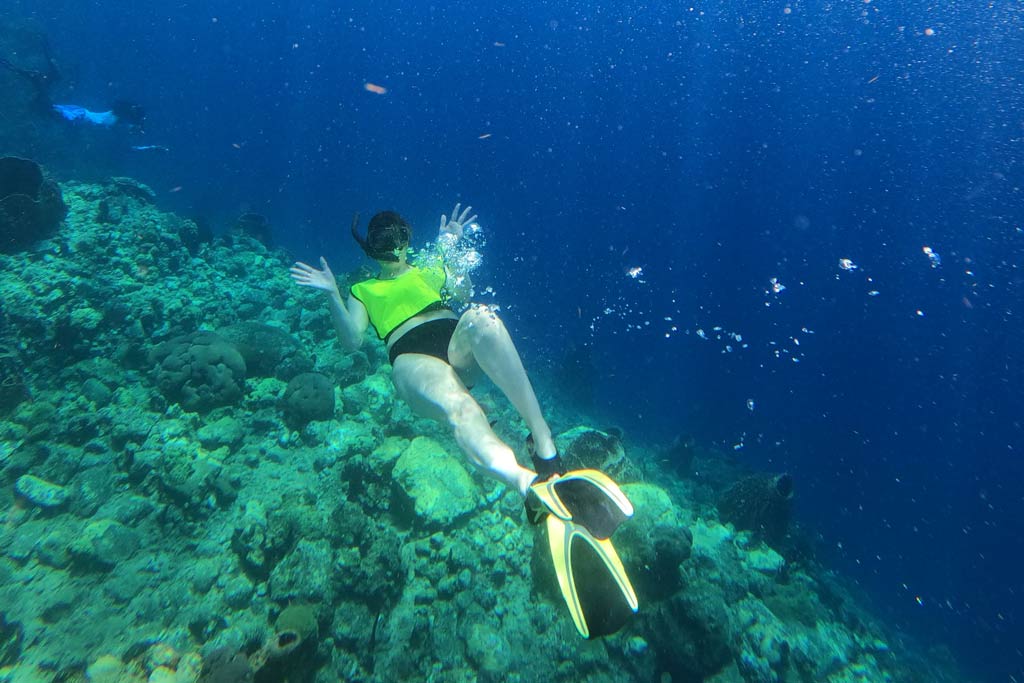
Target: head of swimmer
point(387, 237)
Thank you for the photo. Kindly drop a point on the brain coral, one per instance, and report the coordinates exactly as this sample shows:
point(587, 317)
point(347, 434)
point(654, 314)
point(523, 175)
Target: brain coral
point(309, 396)
point(268, 351)
point(200, 371)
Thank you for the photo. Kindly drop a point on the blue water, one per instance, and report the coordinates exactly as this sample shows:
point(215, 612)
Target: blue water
point(712, 147)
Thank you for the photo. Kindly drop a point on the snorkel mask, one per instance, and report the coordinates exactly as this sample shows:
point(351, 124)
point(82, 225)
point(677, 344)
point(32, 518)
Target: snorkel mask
point(386, 235)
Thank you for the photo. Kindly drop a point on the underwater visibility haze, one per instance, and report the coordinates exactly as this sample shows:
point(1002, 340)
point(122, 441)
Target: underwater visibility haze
point(762, 262)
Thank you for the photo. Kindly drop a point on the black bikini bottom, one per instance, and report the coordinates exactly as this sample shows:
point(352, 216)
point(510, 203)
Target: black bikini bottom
point(430, 338)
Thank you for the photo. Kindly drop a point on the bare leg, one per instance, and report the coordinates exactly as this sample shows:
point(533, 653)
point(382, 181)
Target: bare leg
point(480, 339)
point(433, 390)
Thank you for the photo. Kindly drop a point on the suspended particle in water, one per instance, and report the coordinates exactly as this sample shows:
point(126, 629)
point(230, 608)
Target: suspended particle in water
point(933, 258)
point(750, 404)
point(777, 286)
point(847, 264)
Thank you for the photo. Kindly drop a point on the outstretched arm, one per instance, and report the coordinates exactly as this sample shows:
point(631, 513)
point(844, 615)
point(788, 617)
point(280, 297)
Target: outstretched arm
point(350, 321)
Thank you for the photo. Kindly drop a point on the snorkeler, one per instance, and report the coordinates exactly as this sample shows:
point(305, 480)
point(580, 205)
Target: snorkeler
point(132, 115)
point(436, 355)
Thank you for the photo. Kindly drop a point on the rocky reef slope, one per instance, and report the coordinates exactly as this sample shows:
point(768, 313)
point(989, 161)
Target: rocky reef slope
point(196, 484)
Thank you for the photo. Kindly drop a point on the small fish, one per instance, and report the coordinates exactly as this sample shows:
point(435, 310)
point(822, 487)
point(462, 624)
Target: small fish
point(374, 88)
point(484, 136)
point(873, 80)
point(150, 148)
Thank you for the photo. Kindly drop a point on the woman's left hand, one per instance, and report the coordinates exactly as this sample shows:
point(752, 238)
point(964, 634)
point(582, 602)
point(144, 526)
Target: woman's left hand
point(456, 225)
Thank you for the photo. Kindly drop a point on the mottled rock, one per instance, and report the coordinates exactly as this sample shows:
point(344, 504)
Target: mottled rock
point(268, 351)
point(304, 574)
point(765, 560)
point(227, 431)
point(488, 649)
point(225, 665)
point(759, 503)
point(41, 492)
point(437, 483)
point(586, 448)
point(104, 543)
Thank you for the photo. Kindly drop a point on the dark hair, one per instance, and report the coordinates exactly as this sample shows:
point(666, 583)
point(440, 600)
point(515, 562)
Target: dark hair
point(386, 233)
point(130, 113)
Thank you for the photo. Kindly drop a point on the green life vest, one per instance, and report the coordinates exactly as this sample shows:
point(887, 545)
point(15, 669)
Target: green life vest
point(389, 303)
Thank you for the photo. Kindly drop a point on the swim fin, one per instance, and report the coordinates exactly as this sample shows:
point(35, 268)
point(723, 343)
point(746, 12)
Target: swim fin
point(583, 509)
point(590, 498)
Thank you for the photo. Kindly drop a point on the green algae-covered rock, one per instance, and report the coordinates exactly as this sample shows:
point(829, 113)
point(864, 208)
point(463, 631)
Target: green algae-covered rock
point(227, 431)
point(41, 492)
point(387, 453)
point(374, 395)
point(488, 649)
point(437, 483)
point(764, 560)
point(655, 542)
point(105, 543)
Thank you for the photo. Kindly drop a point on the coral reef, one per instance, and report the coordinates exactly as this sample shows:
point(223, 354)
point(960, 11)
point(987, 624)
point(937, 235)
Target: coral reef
point(164, 521)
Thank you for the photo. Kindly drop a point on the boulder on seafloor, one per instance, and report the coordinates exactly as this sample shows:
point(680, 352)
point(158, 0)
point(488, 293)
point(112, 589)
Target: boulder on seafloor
point(227, 431)
point(654, 542)
point(104, 543)
point(436, 483)
point(587, 448)
point(225, 665)
point(40, 492)
point(31, 206)
point(760, 503)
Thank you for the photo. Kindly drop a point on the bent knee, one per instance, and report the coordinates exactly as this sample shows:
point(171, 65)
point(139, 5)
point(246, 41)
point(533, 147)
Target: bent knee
point(480, 320)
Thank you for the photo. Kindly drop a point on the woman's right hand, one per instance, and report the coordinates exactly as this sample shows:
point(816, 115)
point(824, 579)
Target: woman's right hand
point(308, 276)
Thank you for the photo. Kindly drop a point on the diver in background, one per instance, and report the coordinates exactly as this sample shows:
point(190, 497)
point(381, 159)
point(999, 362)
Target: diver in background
point(436, 355)
point(132, 115)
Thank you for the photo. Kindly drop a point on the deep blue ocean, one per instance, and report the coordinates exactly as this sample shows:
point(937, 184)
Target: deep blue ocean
point(793, 230)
